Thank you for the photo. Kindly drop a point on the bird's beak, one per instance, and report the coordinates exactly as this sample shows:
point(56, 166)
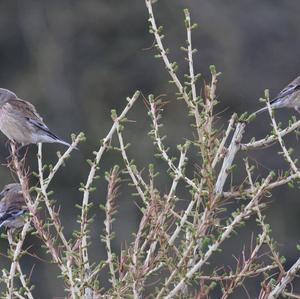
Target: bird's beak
point(2, 194)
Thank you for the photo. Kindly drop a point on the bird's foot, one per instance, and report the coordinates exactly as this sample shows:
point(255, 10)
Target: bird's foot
point(18, 150)
point(15, 150)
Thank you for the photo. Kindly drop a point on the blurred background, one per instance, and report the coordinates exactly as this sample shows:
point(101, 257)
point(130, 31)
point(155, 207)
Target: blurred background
point(77, 60)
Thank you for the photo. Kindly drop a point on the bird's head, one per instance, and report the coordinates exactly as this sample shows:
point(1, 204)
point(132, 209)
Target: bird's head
point(14, 187)
point(6, 95)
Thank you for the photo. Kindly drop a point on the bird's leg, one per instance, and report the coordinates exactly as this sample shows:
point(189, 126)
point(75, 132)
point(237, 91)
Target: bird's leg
point(9, 237)
point(297, 108)
point(11, 144)
point(7, 143)
point(14, 149)
point(18, 149)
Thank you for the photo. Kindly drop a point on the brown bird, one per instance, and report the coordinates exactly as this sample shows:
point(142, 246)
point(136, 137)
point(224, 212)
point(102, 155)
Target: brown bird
point(12, 206)
point(21, 123)
point(289, 97)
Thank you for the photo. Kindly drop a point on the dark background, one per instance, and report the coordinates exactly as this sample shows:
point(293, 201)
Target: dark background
point(76, 60)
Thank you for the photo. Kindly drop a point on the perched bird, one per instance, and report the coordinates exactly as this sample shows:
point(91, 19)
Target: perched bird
point(21, 123)
point(289, 97)
point(12, 206)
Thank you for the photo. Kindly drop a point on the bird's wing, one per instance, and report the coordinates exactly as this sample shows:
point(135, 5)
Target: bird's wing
point(14, 206)
point(40, 125)
point(286, 92)
point(29, 112)
point(10, 216)
point(25, 108)
point(2, 208)
point(12, 213)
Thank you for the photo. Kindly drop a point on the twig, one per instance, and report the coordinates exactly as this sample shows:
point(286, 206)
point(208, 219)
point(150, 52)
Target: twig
point(271, 139)
point(87, 187)
point(291, 295)
point(222, 144)
point(73, 289)
point(133, 174)
point(109, 211)
point(285, 280)
point(281, 142)
point(163, 151)
point(227, 232)
point(18, 267)
point(247, 274)
point(32, 206)
point(164, 56)
point(228, 160)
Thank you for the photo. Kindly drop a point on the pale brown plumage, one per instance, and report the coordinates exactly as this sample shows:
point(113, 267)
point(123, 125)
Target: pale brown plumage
point(20, 122)
point(12, 206)
point(289, 97)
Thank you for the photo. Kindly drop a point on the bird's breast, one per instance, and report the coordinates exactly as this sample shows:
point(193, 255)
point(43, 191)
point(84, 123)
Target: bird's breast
point(13, 126)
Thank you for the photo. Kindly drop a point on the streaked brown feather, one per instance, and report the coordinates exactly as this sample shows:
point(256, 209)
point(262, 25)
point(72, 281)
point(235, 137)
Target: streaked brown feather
point(26, 108)
point(13, 201)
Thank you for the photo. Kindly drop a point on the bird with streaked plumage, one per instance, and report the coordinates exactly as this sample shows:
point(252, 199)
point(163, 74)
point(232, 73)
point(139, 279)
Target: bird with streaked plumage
point(21, 123)
point(289, 97)
point(12, 206)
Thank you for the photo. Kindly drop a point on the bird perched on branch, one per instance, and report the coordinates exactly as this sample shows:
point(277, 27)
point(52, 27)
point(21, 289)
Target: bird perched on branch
point(12, 206)
point(289, 97)
point(21, 123)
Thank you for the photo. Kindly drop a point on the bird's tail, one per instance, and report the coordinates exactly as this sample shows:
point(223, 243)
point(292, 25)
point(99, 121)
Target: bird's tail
point(261, 110)
point(58, 140)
